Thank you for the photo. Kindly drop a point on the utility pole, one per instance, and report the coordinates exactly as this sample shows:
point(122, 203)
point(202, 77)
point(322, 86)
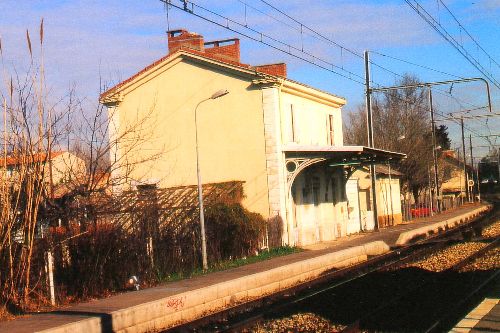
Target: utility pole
point(478, 183)
point(369, 122)
point(434, 153)
point(472, 165)
point(465, 158)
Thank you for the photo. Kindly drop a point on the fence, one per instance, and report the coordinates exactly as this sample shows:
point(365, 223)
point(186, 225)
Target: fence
point(425, 207)
point(97, 243)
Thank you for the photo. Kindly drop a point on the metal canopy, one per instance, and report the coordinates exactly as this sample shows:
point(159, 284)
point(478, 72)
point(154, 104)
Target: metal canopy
point(298, 157)
point(343, 154)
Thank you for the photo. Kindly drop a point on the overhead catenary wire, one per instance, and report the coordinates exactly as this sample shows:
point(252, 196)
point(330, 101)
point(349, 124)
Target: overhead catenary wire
point(284, 47)
point(371, 62)
point(416, 65)
point(487, 115)
point(444, 117)
point(262, 37)
point(439, 91)
point(468, 34)
point(427, 17)
point(359, 55)
point(287, 48)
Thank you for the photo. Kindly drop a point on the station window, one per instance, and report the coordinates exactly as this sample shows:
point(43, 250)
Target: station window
point(292, 124)
point(330, 130)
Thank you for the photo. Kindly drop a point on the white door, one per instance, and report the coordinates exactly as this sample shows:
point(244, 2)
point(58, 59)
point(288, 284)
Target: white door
point(352, 193)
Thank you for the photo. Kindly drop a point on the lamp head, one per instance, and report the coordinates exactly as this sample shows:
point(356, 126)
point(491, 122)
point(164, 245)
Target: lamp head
point(219, 93)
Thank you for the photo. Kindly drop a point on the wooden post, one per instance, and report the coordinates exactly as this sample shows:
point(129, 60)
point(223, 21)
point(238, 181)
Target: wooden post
point(50, 272)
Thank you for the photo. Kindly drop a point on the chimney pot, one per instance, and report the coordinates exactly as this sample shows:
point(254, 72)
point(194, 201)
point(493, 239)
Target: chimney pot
point(272, 69)
point(179, 39)
point(224, 49)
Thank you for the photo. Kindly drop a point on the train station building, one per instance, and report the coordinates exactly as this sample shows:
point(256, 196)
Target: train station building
point(280, 137)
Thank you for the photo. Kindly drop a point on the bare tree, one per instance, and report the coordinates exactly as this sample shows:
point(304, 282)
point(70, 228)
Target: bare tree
point(401, 123)
point(34, 128)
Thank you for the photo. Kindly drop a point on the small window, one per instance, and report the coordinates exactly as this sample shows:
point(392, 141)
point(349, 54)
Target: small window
point(146, 187)
point(292, 123)
point(330, 130)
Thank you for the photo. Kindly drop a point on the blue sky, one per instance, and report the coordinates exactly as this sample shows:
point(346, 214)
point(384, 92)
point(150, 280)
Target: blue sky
point(111, 40)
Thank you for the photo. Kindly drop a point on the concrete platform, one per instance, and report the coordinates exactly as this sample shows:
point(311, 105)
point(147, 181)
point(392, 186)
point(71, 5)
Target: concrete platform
point(484, 318)
point(164, 306)
point(437, 227)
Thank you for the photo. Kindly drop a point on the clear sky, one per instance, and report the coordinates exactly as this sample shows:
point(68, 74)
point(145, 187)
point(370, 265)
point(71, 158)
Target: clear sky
point(86, 41)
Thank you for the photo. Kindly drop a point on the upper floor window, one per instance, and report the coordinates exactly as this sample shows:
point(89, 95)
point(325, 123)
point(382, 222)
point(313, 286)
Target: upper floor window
point(293, 120)
point(330, 134)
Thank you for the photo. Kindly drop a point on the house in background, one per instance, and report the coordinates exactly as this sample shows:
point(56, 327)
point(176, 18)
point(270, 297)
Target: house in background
point(455, 179)
point(59, 168)
point(282, 138)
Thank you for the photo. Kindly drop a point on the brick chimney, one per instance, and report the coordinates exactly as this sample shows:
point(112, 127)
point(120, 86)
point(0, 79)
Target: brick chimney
point(225, 50)
point(178, 39)
point(272, 69)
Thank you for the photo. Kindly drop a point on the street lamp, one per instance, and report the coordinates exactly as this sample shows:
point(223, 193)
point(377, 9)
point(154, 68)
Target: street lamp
point(215, 95)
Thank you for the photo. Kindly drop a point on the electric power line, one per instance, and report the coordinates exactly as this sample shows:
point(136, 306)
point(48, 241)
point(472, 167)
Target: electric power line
point(427, 17)
point(416, 65)
point(324, 38)
point(468, 34)
point(290, 47)
point(262, 37)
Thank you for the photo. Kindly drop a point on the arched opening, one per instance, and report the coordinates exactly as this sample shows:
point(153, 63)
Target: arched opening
point(316, 204)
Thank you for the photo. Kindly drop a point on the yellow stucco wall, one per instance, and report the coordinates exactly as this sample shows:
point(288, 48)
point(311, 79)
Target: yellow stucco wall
point(456, 182)
point(388, 201)
point(388, 196)
point(230, 129)
point(66, 167)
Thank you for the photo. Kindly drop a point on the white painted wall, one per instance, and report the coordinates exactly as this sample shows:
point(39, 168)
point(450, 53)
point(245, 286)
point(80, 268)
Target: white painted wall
point(310, 121)
point(319, 214)
point(353, 208)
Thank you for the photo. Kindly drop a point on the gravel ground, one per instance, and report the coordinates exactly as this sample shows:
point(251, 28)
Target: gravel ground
point(492, 231)
point(490, 261)
point(301, 322)
point(448, 257)
point(440, 261)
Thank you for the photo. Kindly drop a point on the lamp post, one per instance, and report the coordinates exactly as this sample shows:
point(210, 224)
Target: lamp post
point(215, 95)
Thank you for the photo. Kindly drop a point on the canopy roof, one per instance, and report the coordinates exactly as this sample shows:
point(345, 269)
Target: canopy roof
point(343, 155)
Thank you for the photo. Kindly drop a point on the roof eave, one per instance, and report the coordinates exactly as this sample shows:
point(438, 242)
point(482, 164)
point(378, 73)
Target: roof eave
point(116, 94)
point(329, 152)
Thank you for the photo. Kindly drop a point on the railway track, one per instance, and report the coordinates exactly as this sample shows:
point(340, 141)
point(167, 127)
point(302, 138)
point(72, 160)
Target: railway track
point(417, 292)
point(340, 284)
